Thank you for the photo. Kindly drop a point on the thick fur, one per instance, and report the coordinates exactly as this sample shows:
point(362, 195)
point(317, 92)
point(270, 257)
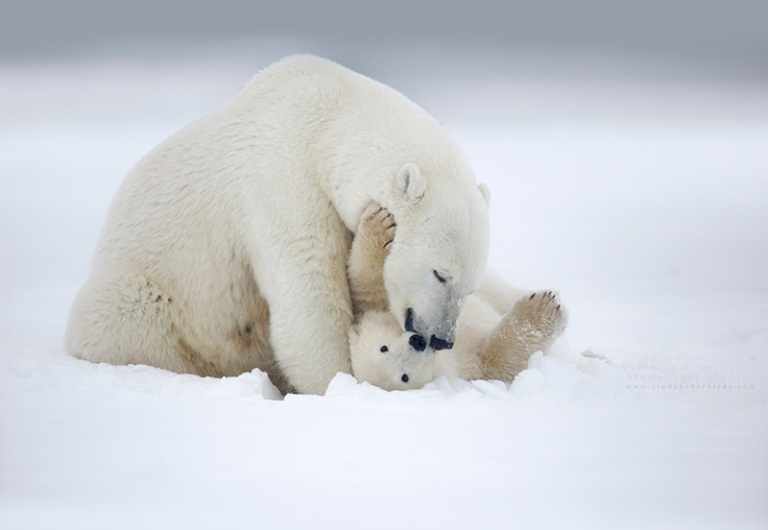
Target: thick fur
point(374, 236)
point(225, 248)
point(498, 327)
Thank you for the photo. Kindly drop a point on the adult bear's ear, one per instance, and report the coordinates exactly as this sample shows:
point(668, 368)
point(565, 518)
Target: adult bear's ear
point(485, 192)
point(411, 183)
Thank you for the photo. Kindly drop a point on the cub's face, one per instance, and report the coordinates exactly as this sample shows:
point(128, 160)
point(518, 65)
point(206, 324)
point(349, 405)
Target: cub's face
point(385, 356)
point(438, 255)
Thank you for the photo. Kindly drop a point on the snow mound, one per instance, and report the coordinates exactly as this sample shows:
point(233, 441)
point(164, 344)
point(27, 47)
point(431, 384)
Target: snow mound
point(546, 374)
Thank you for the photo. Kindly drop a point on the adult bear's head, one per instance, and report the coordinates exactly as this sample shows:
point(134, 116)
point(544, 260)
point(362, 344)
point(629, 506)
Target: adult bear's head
point(440, 249)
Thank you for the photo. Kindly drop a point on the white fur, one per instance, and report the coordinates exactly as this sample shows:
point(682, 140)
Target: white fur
point(225, 247)
point(385, 369)
point(484, 336)
point(376, 329)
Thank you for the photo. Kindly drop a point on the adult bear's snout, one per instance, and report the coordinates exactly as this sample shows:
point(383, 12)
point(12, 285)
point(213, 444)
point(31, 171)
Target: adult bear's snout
point(440, 336)
point(417, 342)
point(436, 343)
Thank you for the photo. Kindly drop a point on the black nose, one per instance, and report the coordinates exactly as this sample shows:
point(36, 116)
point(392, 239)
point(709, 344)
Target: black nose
point(409, 320)
point(439, 344)
point(418, 342)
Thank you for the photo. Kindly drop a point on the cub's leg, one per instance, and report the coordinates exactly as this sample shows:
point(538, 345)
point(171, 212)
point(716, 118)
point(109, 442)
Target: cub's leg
point(365, 266)
point(532, 325)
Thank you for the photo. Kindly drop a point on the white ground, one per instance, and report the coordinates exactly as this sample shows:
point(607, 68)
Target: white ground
point(645, 203)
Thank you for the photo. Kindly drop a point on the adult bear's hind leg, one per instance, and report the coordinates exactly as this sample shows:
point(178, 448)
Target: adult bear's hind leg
point(128, 319)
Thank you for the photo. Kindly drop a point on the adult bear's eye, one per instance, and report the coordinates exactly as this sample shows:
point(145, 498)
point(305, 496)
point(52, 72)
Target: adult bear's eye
point(383, 349)
point(440, 279)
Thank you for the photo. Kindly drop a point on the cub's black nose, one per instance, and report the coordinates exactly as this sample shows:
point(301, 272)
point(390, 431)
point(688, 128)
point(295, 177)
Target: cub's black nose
point(418, 342)
point(439, 344)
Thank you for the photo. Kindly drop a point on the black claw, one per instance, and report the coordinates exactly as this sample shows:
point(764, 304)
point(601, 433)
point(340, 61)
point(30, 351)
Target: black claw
point(532, 296)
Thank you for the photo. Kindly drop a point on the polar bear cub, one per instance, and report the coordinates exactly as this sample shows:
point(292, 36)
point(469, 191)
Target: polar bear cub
point(489, 345)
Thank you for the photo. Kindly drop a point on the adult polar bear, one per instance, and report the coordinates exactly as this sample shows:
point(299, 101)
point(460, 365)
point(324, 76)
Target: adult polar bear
point(225, 248)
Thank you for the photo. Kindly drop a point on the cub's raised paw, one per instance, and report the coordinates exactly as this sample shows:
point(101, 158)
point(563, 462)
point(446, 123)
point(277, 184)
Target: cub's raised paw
point(541, 318)
point(377, 227)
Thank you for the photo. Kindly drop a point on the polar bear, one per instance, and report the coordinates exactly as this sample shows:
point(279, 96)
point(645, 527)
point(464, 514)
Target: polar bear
point(225, 248)
point(489, 344)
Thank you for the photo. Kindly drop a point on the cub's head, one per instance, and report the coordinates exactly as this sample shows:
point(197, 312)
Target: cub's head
point(439, 252)
point(386, 357)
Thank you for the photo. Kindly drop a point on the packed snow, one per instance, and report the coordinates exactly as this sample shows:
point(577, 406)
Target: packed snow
point(644, 203)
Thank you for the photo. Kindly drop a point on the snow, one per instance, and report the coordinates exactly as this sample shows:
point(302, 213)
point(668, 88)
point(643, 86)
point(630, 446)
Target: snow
point(644, 202)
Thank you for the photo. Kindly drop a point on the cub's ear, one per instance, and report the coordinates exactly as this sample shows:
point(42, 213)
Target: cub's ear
point(410, 183)
point(485, 192)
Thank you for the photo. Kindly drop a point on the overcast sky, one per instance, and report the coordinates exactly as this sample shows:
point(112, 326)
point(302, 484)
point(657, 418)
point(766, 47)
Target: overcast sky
point(730, 32)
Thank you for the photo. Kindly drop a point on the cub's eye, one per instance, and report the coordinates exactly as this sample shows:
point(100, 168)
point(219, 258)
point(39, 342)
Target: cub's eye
point(440, 279)
point(383, 349)
point(404, 378)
